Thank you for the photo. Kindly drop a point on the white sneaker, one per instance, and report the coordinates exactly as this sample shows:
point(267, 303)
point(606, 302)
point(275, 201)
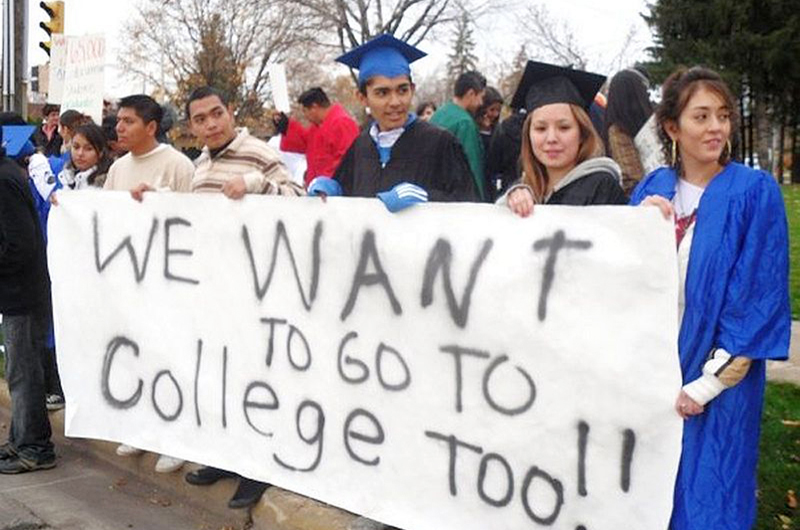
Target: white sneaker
point(168, 464)
point(127, 450)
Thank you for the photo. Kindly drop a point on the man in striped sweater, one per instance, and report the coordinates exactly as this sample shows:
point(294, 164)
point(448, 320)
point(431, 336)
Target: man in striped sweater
point(234, 163)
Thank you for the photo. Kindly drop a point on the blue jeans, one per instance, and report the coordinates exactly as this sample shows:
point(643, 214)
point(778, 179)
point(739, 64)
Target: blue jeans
point(25, 340)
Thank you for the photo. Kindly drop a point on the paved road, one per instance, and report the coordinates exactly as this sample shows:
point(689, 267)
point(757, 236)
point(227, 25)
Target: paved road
point(86, 494)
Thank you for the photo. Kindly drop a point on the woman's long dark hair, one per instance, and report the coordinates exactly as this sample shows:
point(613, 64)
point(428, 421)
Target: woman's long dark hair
point(629, 105)
point(94, 135)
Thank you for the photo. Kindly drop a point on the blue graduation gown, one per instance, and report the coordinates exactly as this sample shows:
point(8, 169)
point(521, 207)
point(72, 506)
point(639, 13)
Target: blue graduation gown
point(736, 298)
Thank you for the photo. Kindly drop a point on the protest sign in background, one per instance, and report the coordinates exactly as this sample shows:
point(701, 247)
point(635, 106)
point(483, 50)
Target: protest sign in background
point(77, 76)
point(448, 367)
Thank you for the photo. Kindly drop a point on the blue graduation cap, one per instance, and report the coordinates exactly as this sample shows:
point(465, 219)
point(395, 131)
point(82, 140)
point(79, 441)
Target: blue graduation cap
point(384, 55)
point(15, 140)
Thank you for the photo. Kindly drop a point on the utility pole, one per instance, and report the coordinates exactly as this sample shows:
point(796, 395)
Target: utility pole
point(21, 58)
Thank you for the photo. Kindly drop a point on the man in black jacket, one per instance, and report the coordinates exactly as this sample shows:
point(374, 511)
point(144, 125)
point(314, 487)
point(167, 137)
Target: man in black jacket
point(24, 304)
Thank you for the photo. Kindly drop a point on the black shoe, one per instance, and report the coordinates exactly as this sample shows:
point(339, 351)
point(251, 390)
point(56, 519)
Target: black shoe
point(247, 494)
point(7, 451)
point(19, 464)
point(207, 475)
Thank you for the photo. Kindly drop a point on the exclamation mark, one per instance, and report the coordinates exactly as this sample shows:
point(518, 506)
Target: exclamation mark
point(628, 444)
point(583, 438)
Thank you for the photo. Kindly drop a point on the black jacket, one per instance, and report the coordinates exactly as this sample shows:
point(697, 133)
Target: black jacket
point(51, 147)
point(424, 155)
point(502, 159)
point(24, 283)
point(595, 188)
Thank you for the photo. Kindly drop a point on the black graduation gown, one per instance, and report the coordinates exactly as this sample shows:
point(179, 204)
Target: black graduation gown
point(425, 155)
point(593, 189)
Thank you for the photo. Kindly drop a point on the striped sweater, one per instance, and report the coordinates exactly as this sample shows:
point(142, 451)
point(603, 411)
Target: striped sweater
point(257, 163)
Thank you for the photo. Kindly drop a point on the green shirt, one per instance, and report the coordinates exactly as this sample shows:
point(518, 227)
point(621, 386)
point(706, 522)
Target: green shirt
point(461, 123)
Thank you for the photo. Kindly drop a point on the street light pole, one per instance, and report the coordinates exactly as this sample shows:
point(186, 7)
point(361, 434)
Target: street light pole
point(21, 58)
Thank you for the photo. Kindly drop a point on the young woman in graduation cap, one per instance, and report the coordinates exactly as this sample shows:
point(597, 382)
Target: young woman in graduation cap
point(562, 154)
point(732, 245)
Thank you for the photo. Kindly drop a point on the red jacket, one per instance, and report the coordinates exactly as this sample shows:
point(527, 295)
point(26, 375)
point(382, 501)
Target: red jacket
point(324, 145)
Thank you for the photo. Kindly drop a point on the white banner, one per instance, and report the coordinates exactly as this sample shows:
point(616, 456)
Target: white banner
point(84, 75)
point(448, 367)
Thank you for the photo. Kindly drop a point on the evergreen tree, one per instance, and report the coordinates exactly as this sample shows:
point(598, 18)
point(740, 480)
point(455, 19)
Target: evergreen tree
point(462, 59)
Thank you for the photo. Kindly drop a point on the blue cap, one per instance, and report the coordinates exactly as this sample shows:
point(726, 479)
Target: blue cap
point(15, 140)
point(384, 55)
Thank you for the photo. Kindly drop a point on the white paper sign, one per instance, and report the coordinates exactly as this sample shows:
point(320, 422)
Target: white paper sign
point(279, 87)
point(58, 68)
point(448, 367)
point(84, 76)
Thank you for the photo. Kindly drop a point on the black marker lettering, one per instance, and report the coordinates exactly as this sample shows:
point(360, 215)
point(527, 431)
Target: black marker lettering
point(249, 403)
point(349, 361)
point(440, 259)
point(492, 403)
point(503, 501)
point(281, 237)
point(350, 433)
point(628, 445)
point(272, 322)
point(139, 271)
point(369, 253)
point(453, 444)
point(299, 367)
point(156, 406)
point(554, 245)
point(111, 351)
point(310, 440)
point(169, 251)
point(558, 489)
point(396, 387)
point(458, 352)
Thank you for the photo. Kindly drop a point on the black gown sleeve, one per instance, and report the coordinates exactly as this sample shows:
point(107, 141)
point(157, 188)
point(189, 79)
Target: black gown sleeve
point(453, 178)
point(344, 173)
point(609, 191)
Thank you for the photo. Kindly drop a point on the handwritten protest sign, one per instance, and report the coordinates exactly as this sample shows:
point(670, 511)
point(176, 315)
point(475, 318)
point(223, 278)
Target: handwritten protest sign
point(279, 87)
point(58, 68)
point(77, 74)
point(448, 367)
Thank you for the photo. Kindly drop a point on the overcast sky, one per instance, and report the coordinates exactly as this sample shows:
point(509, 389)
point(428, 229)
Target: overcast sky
point(600, 28)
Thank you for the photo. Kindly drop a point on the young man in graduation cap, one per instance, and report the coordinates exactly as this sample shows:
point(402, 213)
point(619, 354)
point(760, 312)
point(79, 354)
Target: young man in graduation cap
point(398, 158)
point(562, 153)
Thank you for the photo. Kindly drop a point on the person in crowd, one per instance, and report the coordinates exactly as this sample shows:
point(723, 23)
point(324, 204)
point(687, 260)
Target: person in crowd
point(46, 137)
point(487, 118)
point(732, 247)
point(234, 163)
point(502, 158)
point(400, 159)
point(153, 164)
point(562, 154)
point(25, 306)
point(325, 142)
point(458, 117)
point(631, 127)
point(158, 165)
point(89, 159)
point(67, 123)
point(109, 127)
point(425, 110)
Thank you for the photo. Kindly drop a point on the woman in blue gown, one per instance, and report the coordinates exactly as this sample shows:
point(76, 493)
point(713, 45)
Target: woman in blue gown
point(733, 260)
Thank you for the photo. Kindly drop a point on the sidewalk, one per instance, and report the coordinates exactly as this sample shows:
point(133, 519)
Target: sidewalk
point(278, 509)
point(788, 371)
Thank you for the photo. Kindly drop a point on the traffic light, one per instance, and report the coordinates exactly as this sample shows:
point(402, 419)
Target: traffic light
point(54, 10)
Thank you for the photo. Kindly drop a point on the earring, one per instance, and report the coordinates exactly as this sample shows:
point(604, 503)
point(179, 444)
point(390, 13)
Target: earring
point(674, 153)
point(730, 149)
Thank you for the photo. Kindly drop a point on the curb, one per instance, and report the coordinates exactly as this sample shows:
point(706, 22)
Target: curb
point(278, 509)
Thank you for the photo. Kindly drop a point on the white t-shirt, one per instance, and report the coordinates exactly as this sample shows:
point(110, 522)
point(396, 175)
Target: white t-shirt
point(686, 199)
